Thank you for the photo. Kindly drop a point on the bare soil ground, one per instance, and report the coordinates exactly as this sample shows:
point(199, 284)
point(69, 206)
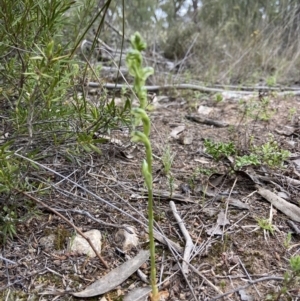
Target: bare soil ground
point(205, 192)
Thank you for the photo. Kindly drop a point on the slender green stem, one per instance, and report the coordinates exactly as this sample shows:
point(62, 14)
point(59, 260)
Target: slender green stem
point(134, 62)
point(152, 244)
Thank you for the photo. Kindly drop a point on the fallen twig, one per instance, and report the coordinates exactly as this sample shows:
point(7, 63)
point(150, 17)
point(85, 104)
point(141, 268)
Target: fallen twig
point(208, 121)
point(189, 243)
point(251, 282)
point(294, 226)
point(166, 87)
point(7, 260)
point(291, 210)
point(156, 88)
point(86, 213)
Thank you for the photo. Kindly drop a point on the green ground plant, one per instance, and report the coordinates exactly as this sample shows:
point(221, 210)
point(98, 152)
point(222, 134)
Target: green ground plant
point(134, 62)
point(269, 153)
point(246, 160)
point(265, 224)
point(257, 109)
point(41, 79)
point(271, 81)
point(287, 240)
point(218, 97)
point(266, 113)
point(292, 113)
point(219, 149)
point(291, 281)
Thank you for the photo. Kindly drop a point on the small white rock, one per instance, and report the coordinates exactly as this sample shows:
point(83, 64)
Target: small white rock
point(80, 244)
point(48, 242)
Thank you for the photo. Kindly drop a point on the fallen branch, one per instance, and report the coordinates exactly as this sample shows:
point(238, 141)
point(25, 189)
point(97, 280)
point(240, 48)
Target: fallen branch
point(291, 210)
point(208, 121)
point(166, 87)
point(294, 226)
point(189, 243)
point(184, 87)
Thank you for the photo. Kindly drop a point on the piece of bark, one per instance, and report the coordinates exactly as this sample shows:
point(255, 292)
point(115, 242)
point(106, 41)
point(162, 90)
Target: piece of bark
point(208, 121)
point(291, 210)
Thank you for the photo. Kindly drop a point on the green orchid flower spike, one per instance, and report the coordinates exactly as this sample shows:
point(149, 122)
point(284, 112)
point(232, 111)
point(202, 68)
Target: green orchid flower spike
point(137, 42)
point(141, 137)
point(141, 114)
point(134, 62)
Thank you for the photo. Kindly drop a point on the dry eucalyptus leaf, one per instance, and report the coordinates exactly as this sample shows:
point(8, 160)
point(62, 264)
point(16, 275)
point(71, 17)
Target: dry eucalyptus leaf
point(115, 277)
point(138, 294)
point(238, 204)
point(284, 195)
point(221, 221)
point(245, 296)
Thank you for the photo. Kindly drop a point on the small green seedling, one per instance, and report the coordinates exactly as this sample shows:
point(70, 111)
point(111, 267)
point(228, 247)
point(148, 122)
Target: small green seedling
point(167, 160)
point(218, 97)
point(271, 81)
point(246, 160)
point(292, 113)
point(265, 224)
point(287, 240)
point(291, 280)
point(220, 149)
point(271, 154)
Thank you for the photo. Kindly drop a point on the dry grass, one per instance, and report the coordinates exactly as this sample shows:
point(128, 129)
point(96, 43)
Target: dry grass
point(226, 55)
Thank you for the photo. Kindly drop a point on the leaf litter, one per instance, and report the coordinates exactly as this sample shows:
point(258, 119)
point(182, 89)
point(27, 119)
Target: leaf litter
point(239, 261)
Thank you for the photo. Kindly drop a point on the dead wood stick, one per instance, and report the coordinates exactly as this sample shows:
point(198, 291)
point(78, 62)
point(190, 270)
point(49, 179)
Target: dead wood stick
point(157, 88)
point(289, 180)
point(189, 245)
point(67, 221)
point(183, 87)
point(166, 241)
point(294, 226)
point(291, 210)
point(251, 282)
point(208, 121)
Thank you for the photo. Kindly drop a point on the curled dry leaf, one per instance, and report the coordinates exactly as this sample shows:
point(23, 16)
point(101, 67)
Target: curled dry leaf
point(176, 131)
point(126, 240)
point(221, 221)
point(138, 294)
